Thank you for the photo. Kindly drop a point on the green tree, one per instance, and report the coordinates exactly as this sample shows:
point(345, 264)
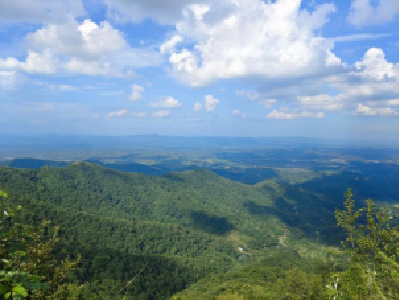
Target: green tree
point(29, 269)
point(372, 245)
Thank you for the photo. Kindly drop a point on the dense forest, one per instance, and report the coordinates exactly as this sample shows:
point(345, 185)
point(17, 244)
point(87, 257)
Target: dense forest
point(107, 234)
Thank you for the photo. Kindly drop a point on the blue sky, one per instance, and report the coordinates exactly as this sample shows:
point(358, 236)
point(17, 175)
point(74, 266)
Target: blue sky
point(200, 67)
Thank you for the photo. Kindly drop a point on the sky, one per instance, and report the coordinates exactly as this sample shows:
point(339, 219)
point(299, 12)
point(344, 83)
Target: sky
point(200, 68)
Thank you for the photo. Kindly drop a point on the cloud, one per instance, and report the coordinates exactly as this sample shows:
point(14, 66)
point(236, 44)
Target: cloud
point(365, 13)
point(256, 97)
point(375, 66)
point(44, 62)
point(161, 11)
point(137, 91)
point(373, 78)
point(252, 39)
point(117, 114)
point(85, 40)
point(81, 48)
point(40, 11)
point(267, 103)
point(391, 102)
point(304, 114)
point(91, 68)
point(160, 114)
point(235, 112)
point(375, 111)
point(139, 114)
point(8, 80)
point(197, 106)
point(57, 87)
point(360, 37)
point(210, 102)
point(169, 46)
point(251, 95)
point(323, 102)
point(168, 102)
point(96, 116)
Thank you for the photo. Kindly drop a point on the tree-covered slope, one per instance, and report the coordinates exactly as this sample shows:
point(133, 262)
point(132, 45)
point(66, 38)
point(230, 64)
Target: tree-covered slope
point(181, 226)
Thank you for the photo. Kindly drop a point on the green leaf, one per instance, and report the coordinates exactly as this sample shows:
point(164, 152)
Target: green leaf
point(32, 285)
point(3, 288)
point(20, 253)
point(19, 290)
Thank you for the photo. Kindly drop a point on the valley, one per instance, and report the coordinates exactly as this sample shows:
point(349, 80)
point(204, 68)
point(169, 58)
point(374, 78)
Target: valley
point(199, 222)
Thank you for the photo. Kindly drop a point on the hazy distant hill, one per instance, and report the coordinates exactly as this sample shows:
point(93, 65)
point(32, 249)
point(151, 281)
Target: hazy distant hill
point(133, 167)
point(31, 163)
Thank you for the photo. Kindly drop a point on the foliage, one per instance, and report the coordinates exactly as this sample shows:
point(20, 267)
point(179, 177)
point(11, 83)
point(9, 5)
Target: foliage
point(372, 244)
point(29, 268)
point(178, 236)
point(371, 271)
point(283, 274)
point(179, 224)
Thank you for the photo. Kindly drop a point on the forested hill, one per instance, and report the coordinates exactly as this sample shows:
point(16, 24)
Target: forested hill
point(182, 226)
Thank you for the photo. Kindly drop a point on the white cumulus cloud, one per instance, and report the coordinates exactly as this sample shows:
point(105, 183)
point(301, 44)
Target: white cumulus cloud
point(81, 48)
point(375, 66)
point(373, 78)
point(256, 97)
point(323, 102)
point(168, 102)
point(252, 38)
point(44, 62)
point(267, 103)
point(161, 11)
point(391, 102)
point(85, 40)
point(118, 114)
point(40, 11)
point(137, 92)
point(169, 46)
point(251, 95)
point(367, 13)
point(375, 111)
point(210, 102)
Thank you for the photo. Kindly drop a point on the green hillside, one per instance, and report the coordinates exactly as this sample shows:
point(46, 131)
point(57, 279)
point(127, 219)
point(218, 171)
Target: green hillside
point(190, 223)
point(185, 229)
